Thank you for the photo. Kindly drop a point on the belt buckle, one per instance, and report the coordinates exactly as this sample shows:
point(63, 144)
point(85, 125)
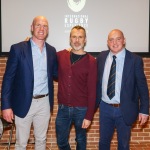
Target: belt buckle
point(115, 105)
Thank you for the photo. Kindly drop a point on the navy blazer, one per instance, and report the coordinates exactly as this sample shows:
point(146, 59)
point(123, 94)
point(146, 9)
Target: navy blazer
point(134, 96)
point(18, 80)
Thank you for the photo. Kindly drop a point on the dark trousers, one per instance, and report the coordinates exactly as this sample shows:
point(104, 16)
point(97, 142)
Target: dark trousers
point(65, 117)
point(111, 118)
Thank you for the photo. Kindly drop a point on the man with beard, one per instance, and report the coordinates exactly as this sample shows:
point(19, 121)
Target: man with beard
point(76, 90)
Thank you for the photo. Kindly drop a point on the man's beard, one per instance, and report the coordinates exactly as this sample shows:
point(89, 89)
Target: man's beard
point(77, 48)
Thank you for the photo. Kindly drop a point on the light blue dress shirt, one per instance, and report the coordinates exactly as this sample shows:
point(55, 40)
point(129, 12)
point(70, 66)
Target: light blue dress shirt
point(119, 70)
point(40, 69)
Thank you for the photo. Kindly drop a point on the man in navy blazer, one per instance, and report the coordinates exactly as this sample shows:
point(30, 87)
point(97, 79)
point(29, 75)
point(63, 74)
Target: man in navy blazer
point(130, 99)
point(27, 88)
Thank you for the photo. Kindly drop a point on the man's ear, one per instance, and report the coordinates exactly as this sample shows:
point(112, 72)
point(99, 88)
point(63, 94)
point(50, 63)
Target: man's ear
point(124, 41)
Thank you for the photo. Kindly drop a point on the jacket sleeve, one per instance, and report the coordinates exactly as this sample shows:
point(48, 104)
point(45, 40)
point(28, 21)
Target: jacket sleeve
point(92, 79)
point(142, 86)
point(8, 79)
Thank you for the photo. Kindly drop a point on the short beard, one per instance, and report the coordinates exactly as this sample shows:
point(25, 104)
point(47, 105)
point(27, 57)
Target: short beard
point(77, 48)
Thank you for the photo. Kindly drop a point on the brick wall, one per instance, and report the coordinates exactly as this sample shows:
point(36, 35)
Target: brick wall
point(139, 134)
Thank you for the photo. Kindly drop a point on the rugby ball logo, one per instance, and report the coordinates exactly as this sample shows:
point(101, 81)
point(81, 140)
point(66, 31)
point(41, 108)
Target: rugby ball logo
point(76, 6)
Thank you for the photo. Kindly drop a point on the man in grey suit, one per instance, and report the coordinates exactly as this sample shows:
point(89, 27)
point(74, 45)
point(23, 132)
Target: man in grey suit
point(122, 92)
point(27, 88)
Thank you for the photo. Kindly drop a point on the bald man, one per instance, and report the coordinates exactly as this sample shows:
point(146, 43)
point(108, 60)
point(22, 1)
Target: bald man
point(122, 92)
point(27, 88)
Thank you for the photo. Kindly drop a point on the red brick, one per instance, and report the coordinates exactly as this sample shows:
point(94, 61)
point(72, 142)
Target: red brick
point(140, 136)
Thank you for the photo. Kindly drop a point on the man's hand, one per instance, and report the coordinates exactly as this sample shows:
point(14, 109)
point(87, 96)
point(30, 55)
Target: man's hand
point(8, 115)
point(27, 39)
point(143, 119)
point(86, 123)
point(69, 49)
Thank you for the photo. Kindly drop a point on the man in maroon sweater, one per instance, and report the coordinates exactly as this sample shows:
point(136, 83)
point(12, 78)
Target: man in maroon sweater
point(76, 90)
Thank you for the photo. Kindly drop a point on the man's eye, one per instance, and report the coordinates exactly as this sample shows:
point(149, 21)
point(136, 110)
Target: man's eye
point(37, 25)
point(45, 26)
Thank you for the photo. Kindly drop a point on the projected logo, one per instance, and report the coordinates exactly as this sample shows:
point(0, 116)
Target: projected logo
point(76, 6)
point(71, 20)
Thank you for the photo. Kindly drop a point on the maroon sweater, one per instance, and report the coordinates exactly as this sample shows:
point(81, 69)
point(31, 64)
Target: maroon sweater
point(77, 82)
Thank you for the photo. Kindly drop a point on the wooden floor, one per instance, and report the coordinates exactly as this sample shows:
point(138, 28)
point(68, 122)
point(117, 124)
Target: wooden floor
point(133, 146)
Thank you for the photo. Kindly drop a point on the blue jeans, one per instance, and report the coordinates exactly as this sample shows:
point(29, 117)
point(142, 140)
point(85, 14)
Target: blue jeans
point(65, 117)
point(111, 118)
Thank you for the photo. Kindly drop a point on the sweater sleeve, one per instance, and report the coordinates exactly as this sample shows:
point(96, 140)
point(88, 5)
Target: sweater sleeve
point(92, 79)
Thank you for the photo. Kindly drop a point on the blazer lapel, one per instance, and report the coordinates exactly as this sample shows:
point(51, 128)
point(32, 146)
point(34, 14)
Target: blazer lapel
point(49, 59)
point(127, 67)
point(28, 53)
point(102, 64)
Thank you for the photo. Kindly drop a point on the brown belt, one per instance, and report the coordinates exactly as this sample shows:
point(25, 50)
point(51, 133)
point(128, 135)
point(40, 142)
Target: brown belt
point(39, 96)
point(115, 105)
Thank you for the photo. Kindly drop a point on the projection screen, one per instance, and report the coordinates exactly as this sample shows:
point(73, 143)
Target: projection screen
point(98, 17)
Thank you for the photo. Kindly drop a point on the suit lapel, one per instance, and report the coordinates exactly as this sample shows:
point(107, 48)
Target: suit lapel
point(49, 58)
point(127, 68)
point(28, 54)
point(102, 64)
